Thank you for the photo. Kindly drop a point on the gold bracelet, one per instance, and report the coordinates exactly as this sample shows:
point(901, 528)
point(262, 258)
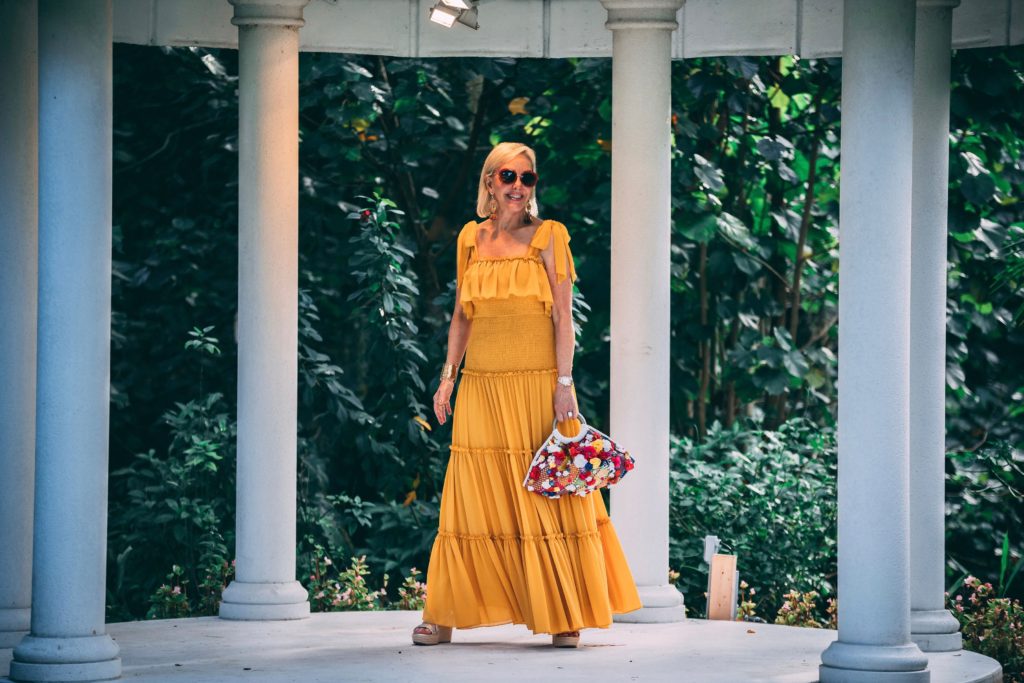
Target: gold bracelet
point(448, 371)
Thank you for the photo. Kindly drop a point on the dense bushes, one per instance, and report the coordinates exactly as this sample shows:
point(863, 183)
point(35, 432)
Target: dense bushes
point(985, 516)
point(770, 496)
point(991, 624)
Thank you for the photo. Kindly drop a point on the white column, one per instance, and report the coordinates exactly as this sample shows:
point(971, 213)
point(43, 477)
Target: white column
point(19, 172)
point(268, 296)
point(640, 286)
point(933, 628)
point(874, 352)
point(68, 641)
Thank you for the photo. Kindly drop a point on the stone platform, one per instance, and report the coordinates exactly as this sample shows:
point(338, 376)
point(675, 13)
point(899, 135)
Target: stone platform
point(357, 647)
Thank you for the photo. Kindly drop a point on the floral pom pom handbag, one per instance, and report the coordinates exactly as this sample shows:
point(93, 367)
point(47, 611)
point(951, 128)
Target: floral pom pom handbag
point(576, 465)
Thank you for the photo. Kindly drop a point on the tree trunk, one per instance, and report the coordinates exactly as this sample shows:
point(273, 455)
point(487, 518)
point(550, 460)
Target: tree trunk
point(705, 345)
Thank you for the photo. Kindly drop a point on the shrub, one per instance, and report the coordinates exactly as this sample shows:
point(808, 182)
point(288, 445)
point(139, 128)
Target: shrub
point(769, 494)
point(170, 600)
point(985, 500)
point(335, 590)
point(991, 625)
point(747, 610)
point(801, 609)
point(179, 506)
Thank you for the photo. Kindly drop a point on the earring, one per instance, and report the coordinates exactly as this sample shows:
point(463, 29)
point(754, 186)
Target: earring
point(492, 207)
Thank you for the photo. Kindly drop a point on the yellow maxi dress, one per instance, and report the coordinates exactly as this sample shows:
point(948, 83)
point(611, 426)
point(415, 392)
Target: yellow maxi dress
point(503, 554)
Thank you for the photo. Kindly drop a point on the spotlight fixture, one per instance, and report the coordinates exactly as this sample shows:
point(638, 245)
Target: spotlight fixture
point(448, 12)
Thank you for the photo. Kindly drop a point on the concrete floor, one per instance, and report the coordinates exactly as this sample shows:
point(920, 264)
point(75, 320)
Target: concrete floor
point(375, 646)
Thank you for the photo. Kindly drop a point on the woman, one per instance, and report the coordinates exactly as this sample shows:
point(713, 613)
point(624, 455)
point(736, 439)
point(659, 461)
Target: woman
point(503, 554)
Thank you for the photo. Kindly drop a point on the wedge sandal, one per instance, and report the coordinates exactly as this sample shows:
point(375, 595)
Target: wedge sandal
point(567, 639)
point(437, 634)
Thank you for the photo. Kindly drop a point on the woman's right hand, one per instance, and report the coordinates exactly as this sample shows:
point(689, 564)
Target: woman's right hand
point(442, 400)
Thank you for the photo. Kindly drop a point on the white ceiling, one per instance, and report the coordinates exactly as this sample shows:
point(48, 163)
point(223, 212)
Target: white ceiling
point(546, 28)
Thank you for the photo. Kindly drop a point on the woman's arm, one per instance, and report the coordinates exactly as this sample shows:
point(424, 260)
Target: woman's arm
point(458, 339)
point(565, 337)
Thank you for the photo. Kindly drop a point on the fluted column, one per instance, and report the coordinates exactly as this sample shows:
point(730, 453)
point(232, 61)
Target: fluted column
point(640, 286)
point(268, 296)
point(933, 628)
point(68, 640)
point(874, 349)
point(19, 173)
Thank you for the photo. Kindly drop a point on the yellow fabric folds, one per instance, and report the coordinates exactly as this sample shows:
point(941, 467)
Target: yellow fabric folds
point(506, 278)
point(466, 250)
point(512, 277)
point(503, 554)
point(564, 266)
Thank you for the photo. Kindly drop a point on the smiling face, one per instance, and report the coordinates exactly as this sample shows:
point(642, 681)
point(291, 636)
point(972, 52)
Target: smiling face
point(513, 198)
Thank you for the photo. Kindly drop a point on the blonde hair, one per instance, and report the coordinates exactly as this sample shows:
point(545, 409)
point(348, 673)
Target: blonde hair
point(503, 153)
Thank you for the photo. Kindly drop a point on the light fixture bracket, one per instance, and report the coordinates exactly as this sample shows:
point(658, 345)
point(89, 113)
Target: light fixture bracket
point(449, 12)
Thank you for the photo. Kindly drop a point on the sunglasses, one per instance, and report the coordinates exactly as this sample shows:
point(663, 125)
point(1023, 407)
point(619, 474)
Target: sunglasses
point(508, 177)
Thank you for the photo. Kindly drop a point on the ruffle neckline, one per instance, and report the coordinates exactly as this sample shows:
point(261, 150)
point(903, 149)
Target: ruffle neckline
point(504, 277)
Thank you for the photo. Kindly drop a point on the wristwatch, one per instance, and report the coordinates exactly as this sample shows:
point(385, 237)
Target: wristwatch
point(565, 380)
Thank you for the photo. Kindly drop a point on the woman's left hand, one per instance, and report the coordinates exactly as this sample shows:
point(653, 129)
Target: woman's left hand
point(565, 403)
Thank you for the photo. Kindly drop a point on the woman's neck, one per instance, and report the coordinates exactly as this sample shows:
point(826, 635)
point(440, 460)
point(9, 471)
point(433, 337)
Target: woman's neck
point(510, 221)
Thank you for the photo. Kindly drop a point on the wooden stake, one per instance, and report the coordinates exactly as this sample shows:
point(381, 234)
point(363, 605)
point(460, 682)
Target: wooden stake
point(722, 588)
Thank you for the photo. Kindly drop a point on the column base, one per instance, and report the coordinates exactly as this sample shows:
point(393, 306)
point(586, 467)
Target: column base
point(935, 630)
point(14, 625)
point(828, 674)
point(264, 601)
point(661, 605)
point(87, 658)
point(853, 663)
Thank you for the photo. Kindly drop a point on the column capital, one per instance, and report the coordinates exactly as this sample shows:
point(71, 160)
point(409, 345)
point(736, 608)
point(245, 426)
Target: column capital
point(268, 12)
point(938, 3)
point(646, 14)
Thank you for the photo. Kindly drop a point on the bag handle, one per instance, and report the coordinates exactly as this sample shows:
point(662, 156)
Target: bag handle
point(562, 438)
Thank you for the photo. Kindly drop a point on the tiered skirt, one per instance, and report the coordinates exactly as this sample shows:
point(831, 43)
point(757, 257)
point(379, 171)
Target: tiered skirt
point(503, 554)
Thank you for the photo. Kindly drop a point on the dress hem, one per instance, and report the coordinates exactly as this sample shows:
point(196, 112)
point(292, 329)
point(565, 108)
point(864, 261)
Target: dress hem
point(523, 623)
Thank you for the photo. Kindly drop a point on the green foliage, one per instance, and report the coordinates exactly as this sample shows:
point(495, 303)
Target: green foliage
point(176, 505)
point(801, 609)
point(170, 600)
point(412, 594)
point(384, 305)
point(746, 610)
point(985, 366)
point(174, 599)
point(333, 590)
point(755, 208)
point(770, 495)
point(202, 341)
point(984, 491)
point(991, 625)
